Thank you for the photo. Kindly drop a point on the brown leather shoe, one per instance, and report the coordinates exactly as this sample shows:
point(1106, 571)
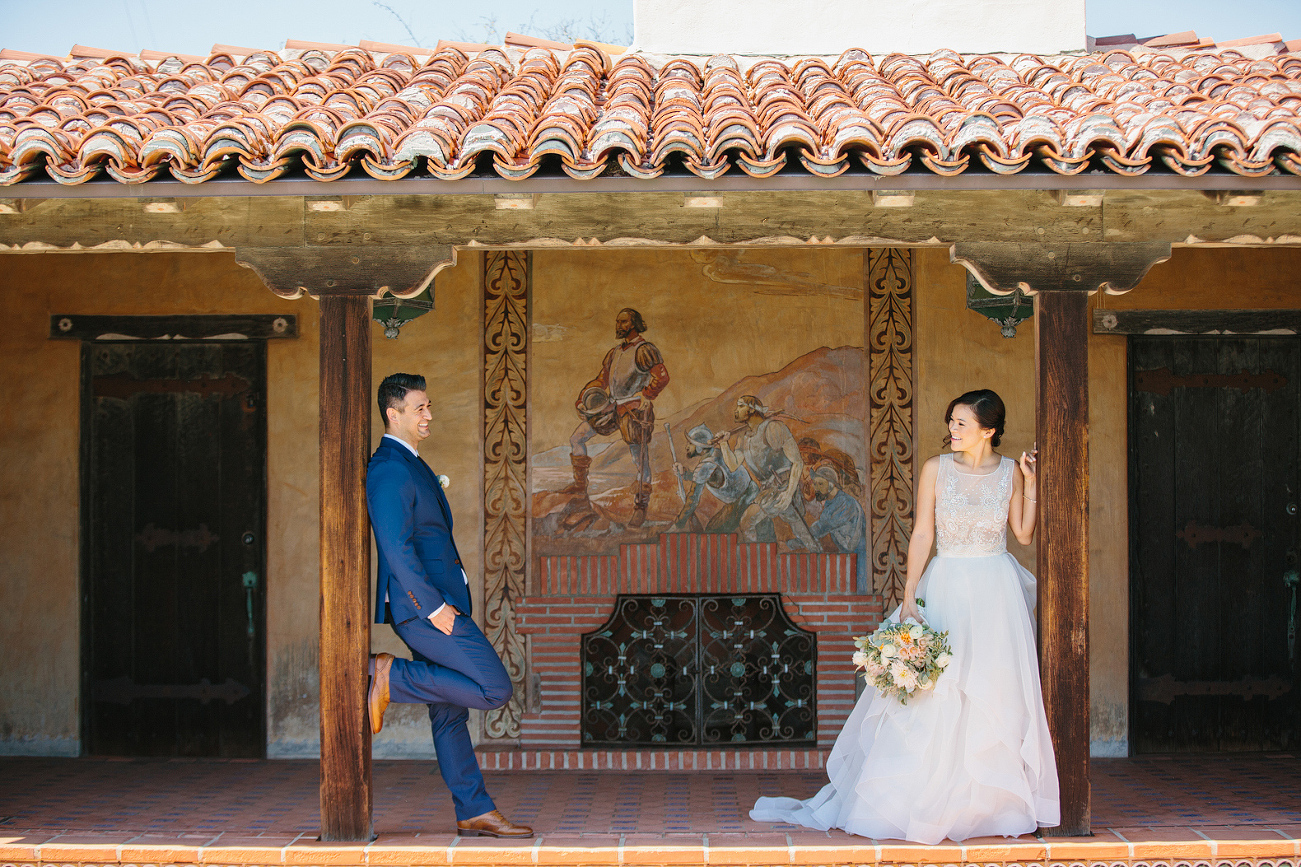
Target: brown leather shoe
point(491, 824)
point(377, 700)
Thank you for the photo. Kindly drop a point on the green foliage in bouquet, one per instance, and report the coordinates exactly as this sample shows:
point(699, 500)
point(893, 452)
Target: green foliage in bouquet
point(902, 659)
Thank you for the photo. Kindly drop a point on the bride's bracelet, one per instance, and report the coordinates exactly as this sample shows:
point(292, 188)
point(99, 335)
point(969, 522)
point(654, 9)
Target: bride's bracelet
point(1030, 498)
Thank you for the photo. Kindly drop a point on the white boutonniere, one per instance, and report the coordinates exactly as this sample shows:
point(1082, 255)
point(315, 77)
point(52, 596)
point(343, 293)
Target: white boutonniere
point(444, 480)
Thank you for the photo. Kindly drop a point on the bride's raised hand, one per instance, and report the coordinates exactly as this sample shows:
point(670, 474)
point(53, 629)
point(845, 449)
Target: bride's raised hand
point(1029, 467)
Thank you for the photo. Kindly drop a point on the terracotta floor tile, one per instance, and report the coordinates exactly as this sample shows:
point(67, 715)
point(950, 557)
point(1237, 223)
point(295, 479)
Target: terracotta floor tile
point(1103, 844)
point(248, 812)
point(1024, 848)
point(315, 853)
point(1288, 829)
point(487, 851)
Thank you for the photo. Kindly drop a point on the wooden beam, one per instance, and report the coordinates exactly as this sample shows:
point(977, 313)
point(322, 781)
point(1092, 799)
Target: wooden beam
point(770, 218)
point(74, 326)
point(1181, 322)
point(1062, 432)
point(346, 794)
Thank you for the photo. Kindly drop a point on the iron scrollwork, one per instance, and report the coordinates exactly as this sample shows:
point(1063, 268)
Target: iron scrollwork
point(693, 670)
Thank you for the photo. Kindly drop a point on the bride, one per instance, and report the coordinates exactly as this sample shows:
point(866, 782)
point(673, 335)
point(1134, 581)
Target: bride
point(972, 757)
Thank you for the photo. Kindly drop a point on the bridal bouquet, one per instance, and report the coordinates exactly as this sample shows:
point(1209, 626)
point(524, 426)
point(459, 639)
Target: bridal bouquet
point(901, 658)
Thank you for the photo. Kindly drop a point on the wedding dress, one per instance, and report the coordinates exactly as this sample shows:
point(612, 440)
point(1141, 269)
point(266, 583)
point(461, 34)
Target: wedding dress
point(971, 757)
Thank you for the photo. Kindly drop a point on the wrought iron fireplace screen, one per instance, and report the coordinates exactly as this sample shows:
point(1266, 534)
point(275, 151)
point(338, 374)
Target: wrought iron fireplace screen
point(684, 670)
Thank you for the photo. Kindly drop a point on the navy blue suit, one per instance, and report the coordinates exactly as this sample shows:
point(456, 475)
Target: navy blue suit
point(420, 570)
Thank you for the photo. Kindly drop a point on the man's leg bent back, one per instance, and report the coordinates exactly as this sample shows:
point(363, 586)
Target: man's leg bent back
point(461, 669)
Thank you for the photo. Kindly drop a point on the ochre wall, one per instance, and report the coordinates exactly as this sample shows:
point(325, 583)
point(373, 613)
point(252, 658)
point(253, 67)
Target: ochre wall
point(39, 482)
point(955, 350)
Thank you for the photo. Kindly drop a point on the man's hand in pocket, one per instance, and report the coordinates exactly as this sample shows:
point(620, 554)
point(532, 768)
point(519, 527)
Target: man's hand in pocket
point(444, 619)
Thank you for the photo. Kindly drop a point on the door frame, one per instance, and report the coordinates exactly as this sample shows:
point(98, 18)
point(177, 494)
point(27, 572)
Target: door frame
point(201, 330)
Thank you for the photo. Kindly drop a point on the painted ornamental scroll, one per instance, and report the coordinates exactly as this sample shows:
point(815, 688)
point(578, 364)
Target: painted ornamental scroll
point(505, 437)
point(890, 393)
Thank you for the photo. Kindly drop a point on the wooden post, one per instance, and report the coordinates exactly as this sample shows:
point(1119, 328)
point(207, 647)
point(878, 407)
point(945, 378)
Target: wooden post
point(346, 799)
point(1062, 276)
point(345, 279)
point(1062, 430)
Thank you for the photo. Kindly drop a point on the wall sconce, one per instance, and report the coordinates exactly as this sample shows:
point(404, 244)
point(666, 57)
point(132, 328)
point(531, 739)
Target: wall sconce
point(393, 312)
point(1008, 311)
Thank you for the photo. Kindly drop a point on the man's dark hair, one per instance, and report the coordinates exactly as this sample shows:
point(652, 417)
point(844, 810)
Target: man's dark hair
point(393, 391)
point(638, 324)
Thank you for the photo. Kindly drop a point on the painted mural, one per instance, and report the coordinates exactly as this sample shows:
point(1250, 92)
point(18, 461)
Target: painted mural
point(678, 425)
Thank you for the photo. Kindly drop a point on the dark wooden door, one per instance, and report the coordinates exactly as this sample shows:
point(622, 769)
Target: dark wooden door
point(174, 493)
point(1213, 537)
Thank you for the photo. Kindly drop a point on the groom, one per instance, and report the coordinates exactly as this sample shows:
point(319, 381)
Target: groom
point(422, 590)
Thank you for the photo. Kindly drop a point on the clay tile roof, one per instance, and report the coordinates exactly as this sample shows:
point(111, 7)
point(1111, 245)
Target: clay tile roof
point(538, 107)
point(1171, 40)
point(1251, 40)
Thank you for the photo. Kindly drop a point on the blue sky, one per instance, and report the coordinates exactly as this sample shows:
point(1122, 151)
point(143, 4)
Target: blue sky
point(192, 26)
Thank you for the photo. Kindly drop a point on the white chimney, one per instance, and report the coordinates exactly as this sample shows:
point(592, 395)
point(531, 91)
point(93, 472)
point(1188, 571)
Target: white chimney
point(768, 27)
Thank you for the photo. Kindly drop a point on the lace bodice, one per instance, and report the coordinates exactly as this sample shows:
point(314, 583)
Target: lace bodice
point(971, 509)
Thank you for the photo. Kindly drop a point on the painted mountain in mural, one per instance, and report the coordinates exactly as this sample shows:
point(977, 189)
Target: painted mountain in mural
point(822, 396)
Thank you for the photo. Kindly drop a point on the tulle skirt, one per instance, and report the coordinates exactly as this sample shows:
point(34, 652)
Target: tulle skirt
point(970, 758)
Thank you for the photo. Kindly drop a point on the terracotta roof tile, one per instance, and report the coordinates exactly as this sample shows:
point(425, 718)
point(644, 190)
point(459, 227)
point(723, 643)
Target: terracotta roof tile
point(394, 111)
point(1251, 40)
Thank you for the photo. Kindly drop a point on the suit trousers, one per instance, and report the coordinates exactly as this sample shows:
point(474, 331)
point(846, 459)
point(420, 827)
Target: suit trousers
point(452, 673)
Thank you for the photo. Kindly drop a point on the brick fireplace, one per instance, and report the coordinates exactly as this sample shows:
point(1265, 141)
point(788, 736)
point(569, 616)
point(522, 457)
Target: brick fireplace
point(574, 595)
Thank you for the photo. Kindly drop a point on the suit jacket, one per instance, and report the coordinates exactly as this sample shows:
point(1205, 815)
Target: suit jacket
point(419, 566)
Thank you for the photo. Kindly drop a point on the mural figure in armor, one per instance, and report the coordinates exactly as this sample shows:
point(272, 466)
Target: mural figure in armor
point(621, 398)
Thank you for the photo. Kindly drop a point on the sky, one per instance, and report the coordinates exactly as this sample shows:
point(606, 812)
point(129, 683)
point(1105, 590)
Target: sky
point(193, 26)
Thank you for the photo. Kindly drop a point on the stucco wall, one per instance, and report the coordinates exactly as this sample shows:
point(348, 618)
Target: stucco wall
point(39, 482)
point(788, 27)
point(955, 350)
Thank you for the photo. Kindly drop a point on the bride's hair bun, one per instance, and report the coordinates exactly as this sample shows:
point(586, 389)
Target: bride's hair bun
point(988, 409)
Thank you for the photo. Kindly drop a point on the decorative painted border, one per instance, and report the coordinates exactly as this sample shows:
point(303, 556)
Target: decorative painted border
point(505, 456)
point(890, 416)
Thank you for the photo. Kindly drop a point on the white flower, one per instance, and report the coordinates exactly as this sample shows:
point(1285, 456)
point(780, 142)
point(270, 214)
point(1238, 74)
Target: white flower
point(925, 684)
point(943, 660)
point(903, 676)
point(860, 658)
point(444, 480)
point(887, 651)
point(916, 632)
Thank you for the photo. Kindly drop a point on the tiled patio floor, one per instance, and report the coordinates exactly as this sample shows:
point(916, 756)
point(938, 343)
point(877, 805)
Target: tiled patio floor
point(105, 811)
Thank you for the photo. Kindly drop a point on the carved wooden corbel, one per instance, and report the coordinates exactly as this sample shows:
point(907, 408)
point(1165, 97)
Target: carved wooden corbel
point(1003, 266)
point(292, 272)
